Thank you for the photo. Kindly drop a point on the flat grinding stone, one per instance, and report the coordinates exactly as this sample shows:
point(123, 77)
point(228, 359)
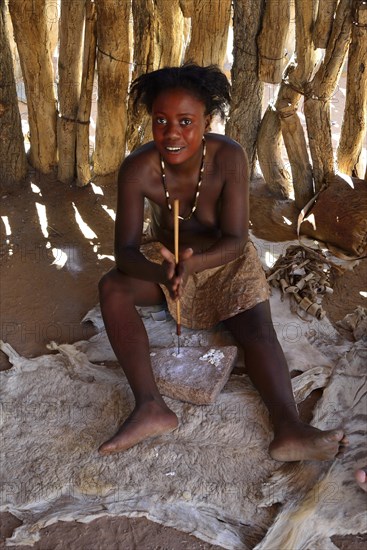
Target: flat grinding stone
point(196, 376)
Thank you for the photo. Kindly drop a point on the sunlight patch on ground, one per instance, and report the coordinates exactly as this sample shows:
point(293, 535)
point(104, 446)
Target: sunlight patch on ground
point(104, 256)
point(7, 233)
point(36, 189)
point(96, 189)
point(7, 225)
point(60, 258)
point(110, 211)
point(42, 216)
point(84, 227)
point(363, 293)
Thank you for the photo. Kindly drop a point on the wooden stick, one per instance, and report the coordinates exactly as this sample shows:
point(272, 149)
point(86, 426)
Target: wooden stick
point(176, 211)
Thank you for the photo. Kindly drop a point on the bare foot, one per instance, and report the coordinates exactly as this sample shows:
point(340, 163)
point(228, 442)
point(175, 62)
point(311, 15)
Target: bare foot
point(303, 442)
point(361, 478)
point(148, 420)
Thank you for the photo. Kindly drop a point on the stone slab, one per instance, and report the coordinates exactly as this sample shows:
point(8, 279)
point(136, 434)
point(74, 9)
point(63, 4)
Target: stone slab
point(196, 376)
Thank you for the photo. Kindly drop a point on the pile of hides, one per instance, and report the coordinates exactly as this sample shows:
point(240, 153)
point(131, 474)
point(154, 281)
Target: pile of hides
point(212, 477)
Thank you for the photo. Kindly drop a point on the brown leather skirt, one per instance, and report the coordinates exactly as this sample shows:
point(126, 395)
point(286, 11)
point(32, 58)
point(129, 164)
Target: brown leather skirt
point(216, 294)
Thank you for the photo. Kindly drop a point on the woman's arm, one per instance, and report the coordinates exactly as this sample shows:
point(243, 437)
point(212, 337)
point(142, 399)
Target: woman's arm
point(234, 215)
point(129, 224)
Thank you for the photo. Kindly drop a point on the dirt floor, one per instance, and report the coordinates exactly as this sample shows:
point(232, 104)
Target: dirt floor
point(42, 301)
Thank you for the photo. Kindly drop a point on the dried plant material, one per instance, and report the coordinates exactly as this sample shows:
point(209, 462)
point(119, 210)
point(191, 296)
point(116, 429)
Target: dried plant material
point(303, 273)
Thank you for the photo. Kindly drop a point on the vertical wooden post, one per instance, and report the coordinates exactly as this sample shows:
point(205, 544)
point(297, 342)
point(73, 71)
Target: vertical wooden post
point(294, 82)
point(247, 89)
point(113, 62)
point(319, 93)
point(31, 36)
point(158, 42)
point(282, 119)
point(209, 32)
point(13, 164)
point(143, 24)
point(70, 67)
point(355, 113)
point(272, 39)
point(169, 28)
point(324, 22)
point(85, 103)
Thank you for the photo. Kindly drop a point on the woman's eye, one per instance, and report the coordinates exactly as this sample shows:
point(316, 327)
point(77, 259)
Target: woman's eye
point(161, 120)
point(186, 122)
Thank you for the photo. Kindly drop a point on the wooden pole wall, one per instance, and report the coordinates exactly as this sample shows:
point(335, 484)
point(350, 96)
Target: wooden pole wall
point(13, 164)
point(113, 65)
point(247, 88)
point(83, 167)
point(353, 129)
point(102, 30)
point(32, 38)
point(319, 93)
point(69, 86)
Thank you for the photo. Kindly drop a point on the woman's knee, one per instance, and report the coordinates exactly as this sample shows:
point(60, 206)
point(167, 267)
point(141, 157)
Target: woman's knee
point(112, 282)
point(253, 325)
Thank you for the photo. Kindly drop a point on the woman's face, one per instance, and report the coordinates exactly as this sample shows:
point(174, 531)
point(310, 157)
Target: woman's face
point(179, 123)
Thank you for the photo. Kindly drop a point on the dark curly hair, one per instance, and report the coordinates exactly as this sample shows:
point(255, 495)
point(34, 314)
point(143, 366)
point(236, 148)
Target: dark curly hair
point(209, 84)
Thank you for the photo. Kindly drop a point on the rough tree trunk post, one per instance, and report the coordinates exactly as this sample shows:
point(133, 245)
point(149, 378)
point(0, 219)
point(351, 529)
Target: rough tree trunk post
point(143, 20)
point(283, 118)
point(209, 31)
point(113, 60)
point(70, 67)
point(13, 164)
point(272, 40)
point(31, 36)
point(247, 89)
point(52, 22)
point(85, 103)
point(320, 91)
point(269, 151)
point(324, 22)
point(271, 45)
point(354, 122)
point(158, 39)
point(168, 47)
point(294, 82)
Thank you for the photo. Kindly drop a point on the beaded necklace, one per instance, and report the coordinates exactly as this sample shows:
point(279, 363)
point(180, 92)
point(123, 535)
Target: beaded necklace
point(197, 193)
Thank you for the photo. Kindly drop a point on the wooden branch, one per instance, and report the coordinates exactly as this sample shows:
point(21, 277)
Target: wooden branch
point(85, 104)
point(13, 164)
point(270, 156)
point(169, 27)
point(324, 22)
point(319, 93)
point(297, 74)
point(272, 40)
point(31, 36)
point(247, 89)
point(143, 20)
point(70, 68)
point(295, 80)
point(187, 7)
point(113, 62)
point(353, 129)
point(209, 32)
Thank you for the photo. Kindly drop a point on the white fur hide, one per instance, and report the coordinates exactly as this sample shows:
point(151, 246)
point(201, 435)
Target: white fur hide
point(212, 477)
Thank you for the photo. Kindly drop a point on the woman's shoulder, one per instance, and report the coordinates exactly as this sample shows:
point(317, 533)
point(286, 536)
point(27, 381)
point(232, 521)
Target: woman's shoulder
point(142, 158)
point(224, 146)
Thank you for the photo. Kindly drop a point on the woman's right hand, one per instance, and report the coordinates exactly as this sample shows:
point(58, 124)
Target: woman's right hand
point(176, 274)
